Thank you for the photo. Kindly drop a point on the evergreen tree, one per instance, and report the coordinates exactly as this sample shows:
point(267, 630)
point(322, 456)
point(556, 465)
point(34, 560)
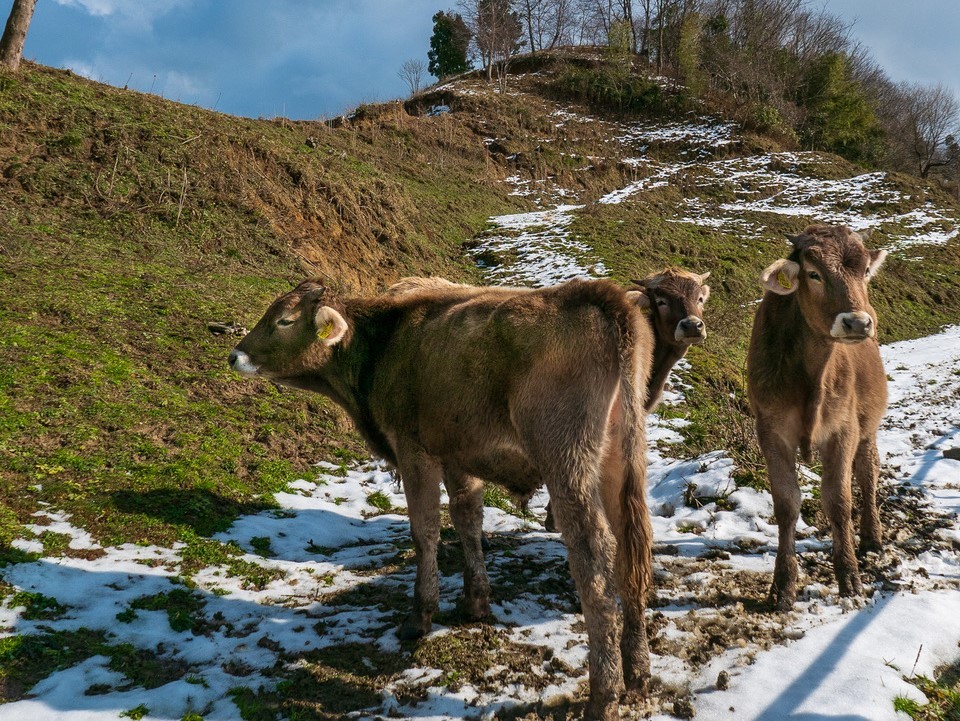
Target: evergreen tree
point(448, 45)
point(840, 118)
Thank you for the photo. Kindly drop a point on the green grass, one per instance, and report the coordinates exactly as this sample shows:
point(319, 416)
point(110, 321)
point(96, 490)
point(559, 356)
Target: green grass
point(184, 609)
point(37, 606)
point(942, 692)
point(380, 501)
point(26, 659)
point(495, 497)
point(135, 713)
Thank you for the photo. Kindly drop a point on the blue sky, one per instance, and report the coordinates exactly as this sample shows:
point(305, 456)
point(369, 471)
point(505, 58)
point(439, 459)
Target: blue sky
point(299, 58)
point(316, 58)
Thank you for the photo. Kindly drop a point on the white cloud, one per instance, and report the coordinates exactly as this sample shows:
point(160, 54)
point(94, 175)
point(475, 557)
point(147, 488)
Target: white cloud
point(183, 87)
point(82, 68)
point(136, 10)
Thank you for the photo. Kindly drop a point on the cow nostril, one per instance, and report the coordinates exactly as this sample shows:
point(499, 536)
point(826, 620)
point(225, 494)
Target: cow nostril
point(232, 358)
point(689, 324)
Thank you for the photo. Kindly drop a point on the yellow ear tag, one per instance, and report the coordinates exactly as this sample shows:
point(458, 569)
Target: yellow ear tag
point(783, 280)
point(324, 332)
point(645, 309)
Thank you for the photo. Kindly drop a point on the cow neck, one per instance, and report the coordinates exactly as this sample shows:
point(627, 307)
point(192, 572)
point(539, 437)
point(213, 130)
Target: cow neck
point(665, 357)
point(349, 375)
point(786, 344)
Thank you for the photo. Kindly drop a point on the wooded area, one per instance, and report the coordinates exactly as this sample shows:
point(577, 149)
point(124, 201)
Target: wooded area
point(780, 67)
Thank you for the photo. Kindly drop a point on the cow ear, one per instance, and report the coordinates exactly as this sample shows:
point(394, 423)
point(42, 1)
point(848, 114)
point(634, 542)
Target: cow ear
point(641, 299)
point(330, 325)
point(781, 277)
point(705, 292)
point(865, 234)
point(876, 260)
point(703, 277)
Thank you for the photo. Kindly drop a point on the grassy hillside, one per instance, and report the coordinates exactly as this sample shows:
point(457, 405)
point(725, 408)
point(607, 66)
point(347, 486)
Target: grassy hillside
point(128, 222)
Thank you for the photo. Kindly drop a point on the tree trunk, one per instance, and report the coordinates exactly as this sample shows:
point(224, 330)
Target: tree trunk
point(14, 35)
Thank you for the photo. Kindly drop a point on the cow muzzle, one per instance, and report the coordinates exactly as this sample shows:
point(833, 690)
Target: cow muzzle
point(853, 327)
point(690, 330)
point(241, 363)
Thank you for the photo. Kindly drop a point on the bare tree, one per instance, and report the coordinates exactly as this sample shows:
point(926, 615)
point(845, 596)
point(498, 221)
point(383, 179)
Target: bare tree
point(497, 32)
point(547, 23)
point(15, 33)
point(596, 17)
point(412, 72)
point(930, 122)
point(643, 47)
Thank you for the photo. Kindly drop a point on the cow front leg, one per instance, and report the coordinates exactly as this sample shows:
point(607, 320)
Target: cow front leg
point(866, 469)
point(781, 458)
point(836, 496)
point(421, 478)
point(466, 510)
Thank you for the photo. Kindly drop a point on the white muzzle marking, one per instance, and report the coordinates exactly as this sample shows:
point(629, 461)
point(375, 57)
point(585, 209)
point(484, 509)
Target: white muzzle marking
point(242, 364)
point(682, 331)
point(852, 327)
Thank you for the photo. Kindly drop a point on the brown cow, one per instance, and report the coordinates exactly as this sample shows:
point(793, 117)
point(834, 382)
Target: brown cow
point(452, 385)
point(675, 298)
point(676, 295)
point(816, 382)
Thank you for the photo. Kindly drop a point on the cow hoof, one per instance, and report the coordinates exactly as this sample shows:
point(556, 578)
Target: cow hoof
point(638, 688)
point(548, 523)
point(601, 711)
point(476, 609)
point(850, 585)
point(782, 599)
point(413, 628)
point(868, 545)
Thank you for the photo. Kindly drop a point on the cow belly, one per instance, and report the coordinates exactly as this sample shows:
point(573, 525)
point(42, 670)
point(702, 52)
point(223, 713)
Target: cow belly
point(506, 468)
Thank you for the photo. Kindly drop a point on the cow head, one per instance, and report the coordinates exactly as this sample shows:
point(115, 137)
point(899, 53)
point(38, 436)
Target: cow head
point(674, 298)
point(297, 331)
point(829, 269)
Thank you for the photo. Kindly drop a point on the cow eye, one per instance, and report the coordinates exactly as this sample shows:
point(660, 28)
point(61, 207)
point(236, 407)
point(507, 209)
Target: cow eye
point(284, 322)
point(814, 275)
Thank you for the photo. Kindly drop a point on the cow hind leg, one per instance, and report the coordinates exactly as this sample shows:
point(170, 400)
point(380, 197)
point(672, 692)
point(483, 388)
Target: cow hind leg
point(782, 471)
point(590, 549)
point(866, 469)
point(421, 484)
point(634, 648)
point(568, 455)
point(466, 510)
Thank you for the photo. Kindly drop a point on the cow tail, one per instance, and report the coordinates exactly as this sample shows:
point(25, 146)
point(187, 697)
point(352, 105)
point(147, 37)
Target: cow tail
point(634, 564)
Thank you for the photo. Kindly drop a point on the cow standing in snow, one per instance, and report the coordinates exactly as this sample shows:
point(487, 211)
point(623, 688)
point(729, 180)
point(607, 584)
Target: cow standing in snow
point(451, 385)
point(816, 381)
point(673, 301)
